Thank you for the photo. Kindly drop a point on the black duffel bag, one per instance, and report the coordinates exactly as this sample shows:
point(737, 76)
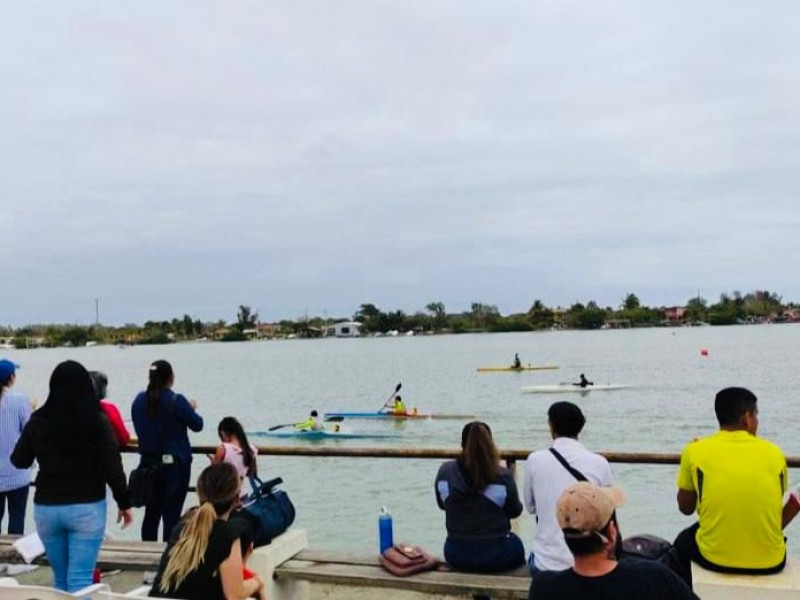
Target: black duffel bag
point(650, 547)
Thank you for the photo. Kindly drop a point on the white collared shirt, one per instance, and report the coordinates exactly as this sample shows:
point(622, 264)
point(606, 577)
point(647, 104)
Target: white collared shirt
point(545, 480)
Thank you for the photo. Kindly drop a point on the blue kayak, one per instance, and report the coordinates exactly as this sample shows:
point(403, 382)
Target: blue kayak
point(390, 415)
point(320, 435)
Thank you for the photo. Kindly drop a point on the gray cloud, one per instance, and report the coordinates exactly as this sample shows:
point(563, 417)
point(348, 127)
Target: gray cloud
point(190, 157)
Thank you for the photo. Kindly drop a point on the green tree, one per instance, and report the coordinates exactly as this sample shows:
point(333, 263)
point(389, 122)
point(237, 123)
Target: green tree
point(438, 314)
point(540, 316)
point(630, 302)
point(245, 318)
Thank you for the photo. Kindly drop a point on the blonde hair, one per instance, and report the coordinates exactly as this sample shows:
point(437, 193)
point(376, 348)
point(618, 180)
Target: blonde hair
point(218, 489)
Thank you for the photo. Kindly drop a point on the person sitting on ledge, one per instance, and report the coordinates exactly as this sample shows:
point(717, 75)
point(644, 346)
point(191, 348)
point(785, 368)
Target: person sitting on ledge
point(736, 482)
point(203, 558)
point(586, 516)
point(479, 497)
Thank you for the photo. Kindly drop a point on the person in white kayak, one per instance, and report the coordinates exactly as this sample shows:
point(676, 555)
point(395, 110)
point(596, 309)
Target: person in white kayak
point(517, 362)
point(584, 382)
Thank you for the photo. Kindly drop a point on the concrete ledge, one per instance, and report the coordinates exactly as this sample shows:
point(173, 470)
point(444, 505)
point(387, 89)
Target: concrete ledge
point(267, 559)
point(722, 586)
point(335, 576)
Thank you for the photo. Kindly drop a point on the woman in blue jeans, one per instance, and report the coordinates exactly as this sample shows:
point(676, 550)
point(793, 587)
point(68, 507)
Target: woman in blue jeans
point(479, 497)
point(77, 452)
point(161, 419)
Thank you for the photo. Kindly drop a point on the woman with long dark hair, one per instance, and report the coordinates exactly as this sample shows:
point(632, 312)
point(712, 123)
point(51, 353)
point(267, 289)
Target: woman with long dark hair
point(77, 452)
point(161, 419)
point(235, 448)
point(479, 497)
point(203, 559)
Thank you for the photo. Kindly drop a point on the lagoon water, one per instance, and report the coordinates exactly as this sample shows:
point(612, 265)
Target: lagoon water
point(338, 499)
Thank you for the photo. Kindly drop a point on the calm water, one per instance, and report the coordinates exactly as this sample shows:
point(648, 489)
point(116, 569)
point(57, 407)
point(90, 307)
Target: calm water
point(265, 383)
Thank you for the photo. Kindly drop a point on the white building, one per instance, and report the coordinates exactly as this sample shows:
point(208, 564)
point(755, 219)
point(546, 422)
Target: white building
point(345, 329)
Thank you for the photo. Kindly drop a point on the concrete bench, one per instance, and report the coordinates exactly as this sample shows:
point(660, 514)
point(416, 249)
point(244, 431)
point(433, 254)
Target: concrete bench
point(722, 586)
point(334, 576)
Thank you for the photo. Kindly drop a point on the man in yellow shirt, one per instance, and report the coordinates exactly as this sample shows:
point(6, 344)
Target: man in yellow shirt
point(736, 482)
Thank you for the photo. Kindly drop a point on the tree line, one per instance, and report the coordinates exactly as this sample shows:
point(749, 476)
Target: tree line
point(730, 309)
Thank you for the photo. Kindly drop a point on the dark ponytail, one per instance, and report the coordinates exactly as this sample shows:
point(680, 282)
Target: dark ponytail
point(160, 378)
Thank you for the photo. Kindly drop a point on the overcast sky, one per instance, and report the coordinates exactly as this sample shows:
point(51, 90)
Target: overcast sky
point(308, 157)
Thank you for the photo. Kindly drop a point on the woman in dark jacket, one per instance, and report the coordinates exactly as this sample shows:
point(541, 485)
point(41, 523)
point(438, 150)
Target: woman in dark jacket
point(479, 498)
point(77, 452)
point(161, 418)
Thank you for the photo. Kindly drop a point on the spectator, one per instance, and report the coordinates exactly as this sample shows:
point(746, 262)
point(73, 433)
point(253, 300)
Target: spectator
point(585, 513)
point(15, 411)
point(479, 498)
point(546, 478)
point(203, 558)
point(235, 449)
point(121, 432)
point(161, 418)
point(78, 455)
point(736, 482)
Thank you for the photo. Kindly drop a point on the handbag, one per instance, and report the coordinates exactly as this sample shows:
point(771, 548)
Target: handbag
point(269, 511)
point(405, 559)
point(143, 484)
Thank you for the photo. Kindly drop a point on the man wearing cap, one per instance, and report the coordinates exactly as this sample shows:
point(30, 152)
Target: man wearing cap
point(15, 411)
point(585, 514)
point(736, 483)
point(546, 476)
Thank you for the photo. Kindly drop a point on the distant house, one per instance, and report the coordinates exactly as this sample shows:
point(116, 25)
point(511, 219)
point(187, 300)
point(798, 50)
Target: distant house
point(345, 329)
point(674, 314)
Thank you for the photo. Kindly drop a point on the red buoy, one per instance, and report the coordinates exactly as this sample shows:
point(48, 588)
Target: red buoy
point(703, 352)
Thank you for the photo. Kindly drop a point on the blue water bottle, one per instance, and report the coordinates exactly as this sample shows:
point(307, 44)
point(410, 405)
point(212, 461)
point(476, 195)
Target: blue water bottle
point(385, 530)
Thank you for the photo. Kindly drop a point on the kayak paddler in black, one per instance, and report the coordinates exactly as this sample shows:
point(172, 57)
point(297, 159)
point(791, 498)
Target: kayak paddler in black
point(584, 382)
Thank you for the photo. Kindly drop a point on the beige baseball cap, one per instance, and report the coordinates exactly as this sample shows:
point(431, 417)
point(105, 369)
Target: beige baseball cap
point(587, 508)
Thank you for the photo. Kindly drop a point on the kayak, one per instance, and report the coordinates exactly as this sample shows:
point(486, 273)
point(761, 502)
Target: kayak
point(565, 388)
point(384, 415)
point(323, 435)
point(517, 369)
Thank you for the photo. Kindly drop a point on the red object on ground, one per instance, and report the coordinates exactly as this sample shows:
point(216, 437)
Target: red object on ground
point(97, 575)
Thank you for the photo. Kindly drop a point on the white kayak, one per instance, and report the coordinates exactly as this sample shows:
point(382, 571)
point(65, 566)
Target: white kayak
point(571, 388)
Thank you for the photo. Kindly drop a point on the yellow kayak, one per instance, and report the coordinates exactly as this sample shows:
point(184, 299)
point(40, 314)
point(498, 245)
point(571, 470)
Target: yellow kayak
point(528, 367)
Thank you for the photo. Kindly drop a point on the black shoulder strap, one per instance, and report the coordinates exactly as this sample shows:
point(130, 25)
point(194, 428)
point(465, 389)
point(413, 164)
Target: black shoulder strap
point(573, 471)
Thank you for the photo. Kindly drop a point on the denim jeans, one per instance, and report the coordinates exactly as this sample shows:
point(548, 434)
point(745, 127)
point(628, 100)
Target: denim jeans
point(493, 555)
point(71, 534)
point(173, 487)
point(17, 500)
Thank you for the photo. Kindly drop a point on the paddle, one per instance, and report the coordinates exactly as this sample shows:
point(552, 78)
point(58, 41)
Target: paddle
point(334, 419)
point(394, 393)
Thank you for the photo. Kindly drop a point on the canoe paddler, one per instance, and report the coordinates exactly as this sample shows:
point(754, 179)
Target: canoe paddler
point(399, 408)
point(312, 423)
point(517, 363)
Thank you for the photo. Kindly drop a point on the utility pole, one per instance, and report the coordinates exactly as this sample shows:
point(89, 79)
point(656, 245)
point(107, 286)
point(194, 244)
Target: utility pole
point(97, 311)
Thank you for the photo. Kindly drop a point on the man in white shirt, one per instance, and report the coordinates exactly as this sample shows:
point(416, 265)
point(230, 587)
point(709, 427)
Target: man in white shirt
point(546, 477)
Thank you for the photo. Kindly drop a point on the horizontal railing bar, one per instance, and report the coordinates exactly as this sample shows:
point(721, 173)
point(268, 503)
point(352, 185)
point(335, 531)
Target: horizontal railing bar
point(511, 455)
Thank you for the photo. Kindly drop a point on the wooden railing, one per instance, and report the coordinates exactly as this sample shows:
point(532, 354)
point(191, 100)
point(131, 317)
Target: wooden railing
point(511, 456)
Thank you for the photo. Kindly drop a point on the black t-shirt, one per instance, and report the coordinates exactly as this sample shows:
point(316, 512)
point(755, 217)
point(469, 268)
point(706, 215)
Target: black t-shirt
point(203, 583)
point(630, 580)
